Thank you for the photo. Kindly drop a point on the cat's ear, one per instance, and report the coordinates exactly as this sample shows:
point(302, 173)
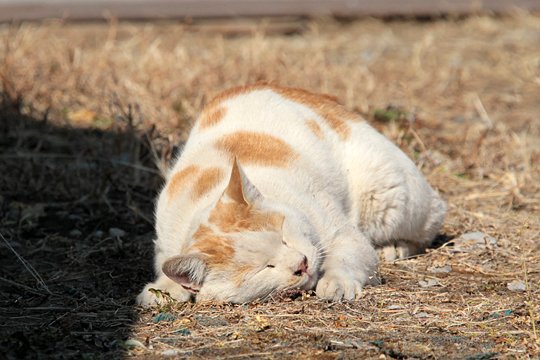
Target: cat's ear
point(240, 188)
point(187, 270)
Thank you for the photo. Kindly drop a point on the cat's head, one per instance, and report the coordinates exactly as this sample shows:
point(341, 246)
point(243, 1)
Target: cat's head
point(247, 249)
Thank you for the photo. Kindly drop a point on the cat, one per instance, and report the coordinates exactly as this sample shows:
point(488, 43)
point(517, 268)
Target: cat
point(280, 188)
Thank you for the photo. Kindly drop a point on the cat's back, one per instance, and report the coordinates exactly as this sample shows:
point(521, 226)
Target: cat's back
point(279, 123)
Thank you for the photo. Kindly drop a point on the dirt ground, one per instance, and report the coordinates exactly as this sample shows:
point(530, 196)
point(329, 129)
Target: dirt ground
point(90, 114)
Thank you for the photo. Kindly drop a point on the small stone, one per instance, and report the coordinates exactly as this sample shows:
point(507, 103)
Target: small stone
point(98, 233)
point(516, 285)
point(441, 269)
point(116, 232)
point(429, 283)
point(75, 233)
point(164, 316)
point(170, 352)
point(394, 307)
point(341, 345)
point(422, 315)
point(476, 237)
point(183, 332)
point(499, 314)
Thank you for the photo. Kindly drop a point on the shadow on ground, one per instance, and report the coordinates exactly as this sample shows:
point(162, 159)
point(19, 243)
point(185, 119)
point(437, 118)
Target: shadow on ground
point(75, 244)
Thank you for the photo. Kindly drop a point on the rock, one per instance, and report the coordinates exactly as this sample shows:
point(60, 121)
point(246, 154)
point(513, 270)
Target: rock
point(499, 314)
point(336, 345)
point(98, 233)
point(478, 237)
point(516, 285)
point(441, 270)
point(429, 283)
point(116, 232)
point(164, 316)
point(170, 352)
point(394, 307)
point(74, 217)
point(75, 233)
point(422, 315)
point(473, 240)
point(183, 332)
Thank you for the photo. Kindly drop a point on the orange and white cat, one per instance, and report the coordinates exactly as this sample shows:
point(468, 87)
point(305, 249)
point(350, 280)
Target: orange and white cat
point(280, 188)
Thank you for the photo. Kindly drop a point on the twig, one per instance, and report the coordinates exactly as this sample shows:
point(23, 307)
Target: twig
point(27, 288)
point(27, 266)
point(482, 112)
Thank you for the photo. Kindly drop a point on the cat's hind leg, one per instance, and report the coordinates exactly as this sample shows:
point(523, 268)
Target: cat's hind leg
point(399, 250)
point(401, 215)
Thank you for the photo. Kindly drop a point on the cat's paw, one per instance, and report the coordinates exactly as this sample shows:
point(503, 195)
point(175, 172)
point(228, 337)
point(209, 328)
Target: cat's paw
point(337, 286)
point(152, 295)
point(401, 250)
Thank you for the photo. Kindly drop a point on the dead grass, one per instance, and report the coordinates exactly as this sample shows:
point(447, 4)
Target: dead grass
point(90, 112)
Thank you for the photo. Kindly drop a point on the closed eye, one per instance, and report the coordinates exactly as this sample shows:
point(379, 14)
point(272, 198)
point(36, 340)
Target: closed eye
point(270, 266)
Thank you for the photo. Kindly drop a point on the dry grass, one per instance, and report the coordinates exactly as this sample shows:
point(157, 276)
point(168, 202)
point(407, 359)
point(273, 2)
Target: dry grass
point(117, 97)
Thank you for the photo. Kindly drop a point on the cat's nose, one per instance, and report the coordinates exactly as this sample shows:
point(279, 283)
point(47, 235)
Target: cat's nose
point(302, 267)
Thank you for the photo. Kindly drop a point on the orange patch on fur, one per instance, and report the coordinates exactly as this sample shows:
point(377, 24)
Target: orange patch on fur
point(333, 113)
point(217, 249)
point(179, 180)
point(206, 181)
point(235, 91)
point(211, 116)
point(236, 217)
point(326, 106)
point(315, 128)
point(257, 148)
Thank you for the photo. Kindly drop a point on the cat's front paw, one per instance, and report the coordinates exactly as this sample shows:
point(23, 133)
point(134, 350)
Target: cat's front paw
point(337, 286)
point(153, 295)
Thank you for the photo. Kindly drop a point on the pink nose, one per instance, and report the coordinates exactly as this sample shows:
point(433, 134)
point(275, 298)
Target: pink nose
point(302, 267)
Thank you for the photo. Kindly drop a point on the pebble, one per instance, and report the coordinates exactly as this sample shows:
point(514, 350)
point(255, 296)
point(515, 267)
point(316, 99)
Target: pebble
point(170, 352)
point(477, 237)
point(74, 217)
point(75, 233)
point(183, 332)
point(164, 316)
point(516, 285)
point(473, 240)
point(394, 307)
point(441, 269)
point(429, 283)
point(116, 232)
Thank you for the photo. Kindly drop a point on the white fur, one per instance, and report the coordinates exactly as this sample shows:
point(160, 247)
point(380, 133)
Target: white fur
point(342, 198)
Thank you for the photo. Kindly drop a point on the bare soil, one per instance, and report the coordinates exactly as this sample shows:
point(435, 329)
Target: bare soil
point(90, 115)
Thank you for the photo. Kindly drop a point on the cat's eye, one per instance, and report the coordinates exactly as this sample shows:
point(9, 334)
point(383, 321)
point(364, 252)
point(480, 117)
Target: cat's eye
point(270, 266)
